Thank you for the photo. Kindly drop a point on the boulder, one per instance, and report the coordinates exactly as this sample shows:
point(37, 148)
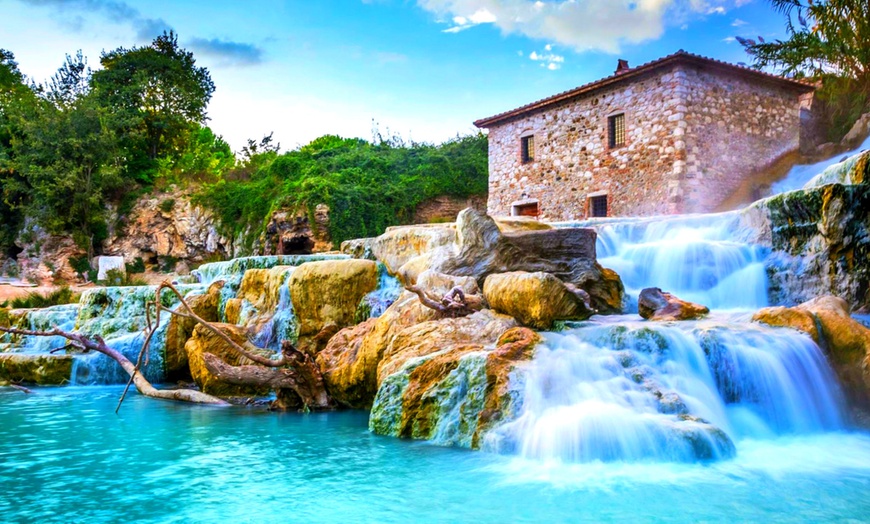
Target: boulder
point(180, 330)
point(329, 291)
point(534, 299)
point(859, 131)
point(358, 248)
point(454, 395)
point(475, 331)
point(779, 316)
point(846, 341)
point(203, 341)
point(482, 249)
point(400, 244)
point(658, 305)
point(820, 240)
point(350, 360)
point(43, 370)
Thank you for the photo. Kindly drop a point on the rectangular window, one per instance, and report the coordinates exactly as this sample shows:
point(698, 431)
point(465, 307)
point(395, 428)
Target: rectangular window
point(616, 130)
point(526, 210)
point(598, 206)
point(528, 147)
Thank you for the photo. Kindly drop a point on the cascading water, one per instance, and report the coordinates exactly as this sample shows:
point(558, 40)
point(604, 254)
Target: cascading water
point(636, 391)
point(805, 175)
point(703, 258)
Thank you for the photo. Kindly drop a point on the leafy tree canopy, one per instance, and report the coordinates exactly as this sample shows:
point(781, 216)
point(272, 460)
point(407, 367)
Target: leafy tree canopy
point(156, 93)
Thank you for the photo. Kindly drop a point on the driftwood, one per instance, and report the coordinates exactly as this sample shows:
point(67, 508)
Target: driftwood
point(86, 344)
point(454, 304)
point(294, 370)
point(303, 377)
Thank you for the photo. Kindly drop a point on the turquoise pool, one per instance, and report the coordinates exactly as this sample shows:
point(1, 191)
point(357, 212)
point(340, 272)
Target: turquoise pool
point(66, 457)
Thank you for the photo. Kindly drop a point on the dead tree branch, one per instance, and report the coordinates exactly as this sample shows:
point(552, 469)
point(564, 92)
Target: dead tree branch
point(454, 304)
point(85, 344)
point(295, 370)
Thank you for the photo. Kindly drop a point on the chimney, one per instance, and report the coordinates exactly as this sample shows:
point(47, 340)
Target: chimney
point(622, 67)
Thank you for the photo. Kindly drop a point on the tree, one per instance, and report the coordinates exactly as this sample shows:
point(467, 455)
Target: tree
point(156, 93)
point(17, 100)
point(68, 156)
point(828, 40)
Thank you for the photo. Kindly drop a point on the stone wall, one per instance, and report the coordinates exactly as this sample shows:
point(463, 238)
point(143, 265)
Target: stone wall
point(572, 158)
point(691, 138)
point(444, 208)
point(734, 128)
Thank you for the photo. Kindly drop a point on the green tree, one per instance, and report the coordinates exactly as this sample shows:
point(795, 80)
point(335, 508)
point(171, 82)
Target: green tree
point(67, 154)
point(828, 40)
point(156, 93)
point(16, 101)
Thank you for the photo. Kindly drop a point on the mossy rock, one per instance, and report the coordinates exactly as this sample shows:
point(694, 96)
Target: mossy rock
point(43, 370)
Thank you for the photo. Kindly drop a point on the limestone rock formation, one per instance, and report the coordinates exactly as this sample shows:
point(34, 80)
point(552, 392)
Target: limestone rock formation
point(204, 341)
point(400, 244)
point(167, 226)
point(292, 232)
point(846, 341)
point(454, 395)
point(569, 254)
point(474, 331)
point(44, 258)
point(180, 330)
point(329, 291)
point(41, 369)
point(351, 358)
point(820, 240)
point(534, 299)
point(655, 304)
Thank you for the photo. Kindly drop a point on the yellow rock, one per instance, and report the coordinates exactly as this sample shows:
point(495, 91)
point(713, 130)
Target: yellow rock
point(779, 316)
point(478, 330)
point(517, 224)
point(329, 292)
point(206, 341)
point(351, 358)
point(262, 287)
point(181, 329)
point(534, 299)
point(400, 244)
point(233, 310)
point(846, 340)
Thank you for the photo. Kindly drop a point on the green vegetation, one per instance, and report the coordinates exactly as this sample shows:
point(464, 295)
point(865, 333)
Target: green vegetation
point(63, 295)
point(367, 187)
point(828, 42)
point(85, 143)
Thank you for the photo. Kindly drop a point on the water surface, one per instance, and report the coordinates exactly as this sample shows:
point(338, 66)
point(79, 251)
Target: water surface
point(65, 457)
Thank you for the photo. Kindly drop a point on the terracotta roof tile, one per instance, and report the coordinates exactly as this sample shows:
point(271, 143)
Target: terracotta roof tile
point(678, 57)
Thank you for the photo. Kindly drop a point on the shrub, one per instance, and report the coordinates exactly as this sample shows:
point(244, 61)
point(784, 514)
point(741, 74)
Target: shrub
point(167, 205)
point(63, 295)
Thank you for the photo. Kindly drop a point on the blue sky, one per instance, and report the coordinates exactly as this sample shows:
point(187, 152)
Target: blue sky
point(425, 69)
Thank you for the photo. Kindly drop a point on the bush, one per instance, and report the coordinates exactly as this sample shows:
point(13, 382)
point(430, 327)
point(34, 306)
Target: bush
point(138, 266)
point(63, 295)
point(366, 186)
point(167, 205)
point(117, 278)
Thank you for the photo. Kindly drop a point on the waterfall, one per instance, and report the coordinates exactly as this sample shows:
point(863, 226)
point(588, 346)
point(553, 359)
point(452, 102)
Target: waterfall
point(700, 258)
point(805, 175)
point(633, 391)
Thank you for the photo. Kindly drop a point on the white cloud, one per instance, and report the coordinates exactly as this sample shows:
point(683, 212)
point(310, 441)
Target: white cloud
point(579, 24)
point(738, 22)
point(729, 39)
point(547, 59)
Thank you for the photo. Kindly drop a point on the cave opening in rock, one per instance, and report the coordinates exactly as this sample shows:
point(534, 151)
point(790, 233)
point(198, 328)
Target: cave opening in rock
point(297, 245)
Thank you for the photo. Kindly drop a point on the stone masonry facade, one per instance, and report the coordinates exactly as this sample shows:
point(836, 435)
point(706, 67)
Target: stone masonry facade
point(695, 129)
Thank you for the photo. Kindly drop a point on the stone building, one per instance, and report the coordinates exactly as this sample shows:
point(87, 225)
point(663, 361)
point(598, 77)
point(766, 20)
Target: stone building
point(676, 135)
